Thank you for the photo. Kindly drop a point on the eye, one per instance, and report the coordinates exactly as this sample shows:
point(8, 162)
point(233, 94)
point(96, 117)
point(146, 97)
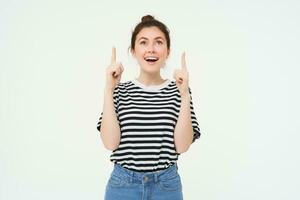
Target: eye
point(143, 42)
point(159, 42)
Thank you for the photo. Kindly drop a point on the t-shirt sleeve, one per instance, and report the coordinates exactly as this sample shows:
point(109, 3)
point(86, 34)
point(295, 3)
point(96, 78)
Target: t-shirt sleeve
point(116, 103)
point(195, 123)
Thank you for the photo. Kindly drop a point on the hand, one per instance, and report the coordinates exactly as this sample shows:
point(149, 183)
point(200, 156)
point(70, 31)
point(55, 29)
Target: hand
point(182, 78)
point(113, 71)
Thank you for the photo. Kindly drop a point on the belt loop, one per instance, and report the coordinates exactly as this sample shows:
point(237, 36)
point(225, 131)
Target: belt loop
point(156, 177)
point(131, 176)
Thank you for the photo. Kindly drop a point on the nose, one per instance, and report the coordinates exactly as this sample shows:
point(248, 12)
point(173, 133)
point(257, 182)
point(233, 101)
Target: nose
point(150, 48)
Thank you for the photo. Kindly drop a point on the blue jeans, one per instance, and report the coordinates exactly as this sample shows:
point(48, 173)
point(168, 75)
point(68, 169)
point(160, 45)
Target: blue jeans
point(125, 184)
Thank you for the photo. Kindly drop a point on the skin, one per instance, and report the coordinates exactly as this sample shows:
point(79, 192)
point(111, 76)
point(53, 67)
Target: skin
point(150, 41)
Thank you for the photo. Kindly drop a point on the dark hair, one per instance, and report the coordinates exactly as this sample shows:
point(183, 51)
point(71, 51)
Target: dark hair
point(149, 21)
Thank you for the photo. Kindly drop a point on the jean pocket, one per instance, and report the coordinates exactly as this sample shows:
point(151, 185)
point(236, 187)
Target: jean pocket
point(115, 181)
point(171, 183)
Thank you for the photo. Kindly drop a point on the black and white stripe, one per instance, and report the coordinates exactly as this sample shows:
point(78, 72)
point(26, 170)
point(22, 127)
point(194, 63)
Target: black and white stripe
point(147, 117)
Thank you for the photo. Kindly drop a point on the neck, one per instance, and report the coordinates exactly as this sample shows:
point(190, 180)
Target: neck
point(150, 79)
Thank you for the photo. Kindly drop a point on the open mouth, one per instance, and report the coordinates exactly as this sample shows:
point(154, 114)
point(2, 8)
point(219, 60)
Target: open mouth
point(151, 59)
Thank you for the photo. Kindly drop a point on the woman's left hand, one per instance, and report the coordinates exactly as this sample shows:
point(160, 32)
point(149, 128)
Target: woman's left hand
point(182, 78)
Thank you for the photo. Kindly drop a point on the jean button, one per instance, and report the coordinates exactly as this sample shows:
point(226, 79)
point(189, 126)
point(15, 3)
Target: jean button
point(146, 178)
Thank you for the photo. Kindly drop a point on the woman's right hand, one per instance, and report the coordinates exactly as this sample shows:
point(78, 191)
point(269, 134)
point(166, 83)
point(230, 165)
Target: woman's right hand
point(113, 72)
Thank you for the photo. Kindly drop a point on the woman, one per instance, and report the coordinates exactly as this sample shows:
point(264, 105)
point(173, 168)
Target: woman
point(148, 121)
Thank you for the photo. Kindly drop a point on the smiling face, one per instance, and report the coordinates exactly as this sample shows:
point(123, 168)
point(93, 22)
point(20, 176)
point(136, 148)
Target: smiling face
point(150, 49)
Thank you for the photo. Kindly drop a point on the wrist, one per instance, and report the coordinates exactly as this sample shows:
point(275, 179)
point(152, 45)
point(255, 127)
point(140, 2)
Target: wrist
point(185, 97)
point(109, 90)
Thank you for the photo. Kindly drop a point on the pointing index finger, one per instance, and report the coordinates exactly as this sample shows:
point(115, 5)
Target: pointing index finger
point(113, 55)
point(183, 62)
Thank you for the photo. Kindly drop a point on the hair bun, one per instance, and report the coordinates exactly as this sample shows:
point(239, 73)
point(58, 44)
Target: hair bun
point(147, 18)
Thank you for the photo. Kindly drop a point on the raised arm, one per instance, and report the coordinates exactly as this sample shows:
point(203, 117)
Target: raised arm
point(110, 128)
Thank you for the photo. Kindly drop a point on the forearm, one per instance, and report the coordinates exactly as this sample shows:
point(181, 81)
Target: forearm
point(183, 133)
point(110, 128)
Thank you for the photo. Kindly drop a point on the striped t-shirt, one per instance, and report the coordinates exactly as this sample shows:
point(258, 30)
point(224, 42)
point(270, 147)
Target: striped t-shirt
point(147, 117)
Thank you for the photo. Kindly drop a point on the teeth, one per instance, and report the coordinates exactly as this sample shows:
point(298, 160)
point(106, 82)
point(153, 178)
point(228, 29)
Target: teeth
point(151, 59)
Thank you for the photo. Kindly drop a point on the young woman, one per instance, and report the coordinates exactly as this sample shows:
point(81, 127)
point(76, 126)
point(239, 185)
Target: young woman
point(148, 121)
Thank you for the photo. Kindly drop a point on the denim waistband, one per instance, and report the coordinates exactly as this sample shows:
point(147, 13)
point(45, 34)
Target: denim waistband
point(134, 176)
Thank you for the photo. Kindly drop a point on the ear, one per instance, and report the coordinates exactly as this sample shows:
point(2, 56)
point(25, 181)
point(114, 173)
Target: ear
point(168, 53)
point(132, 52)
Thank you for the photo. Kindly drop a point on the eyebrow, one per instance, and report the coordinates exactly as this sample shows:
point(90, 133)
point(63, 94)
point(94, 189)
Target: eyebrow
point(148, 39)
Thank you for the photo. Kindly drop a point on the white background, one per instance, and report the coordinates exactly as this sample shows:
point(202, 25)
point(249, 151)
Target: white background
point(243, 59)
